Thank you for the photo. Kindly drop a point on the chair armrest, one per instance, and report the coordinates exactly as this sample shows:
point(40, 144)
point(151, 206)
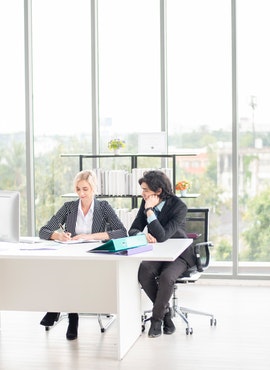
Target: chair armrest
point(197, 249)
point(193, 235)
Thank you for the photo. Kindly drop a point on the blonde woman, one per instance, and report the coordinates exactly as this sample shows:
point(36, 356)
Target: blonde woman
point(84, 218)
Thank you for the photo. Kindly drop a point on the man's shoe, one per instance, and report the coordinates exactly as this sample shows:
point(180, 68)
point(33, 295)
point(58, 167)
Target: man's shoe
point(50, 318)
point(168, 325)
point(72, 330)
point(155, 328)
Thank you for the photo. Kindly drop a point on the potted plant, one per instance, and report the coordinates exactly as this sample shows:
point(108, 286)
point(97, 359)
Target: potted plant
point(116, 145)
point(183, 186)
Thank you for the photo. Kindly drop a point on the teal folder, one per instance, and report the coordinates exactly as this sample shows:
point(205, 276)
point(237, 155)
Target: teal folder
point(115, 245)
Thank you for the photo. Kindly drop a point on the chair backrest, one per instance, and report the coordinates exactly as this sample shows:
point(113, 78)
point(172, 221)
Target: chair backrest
point(197, 228)
point(197, 224)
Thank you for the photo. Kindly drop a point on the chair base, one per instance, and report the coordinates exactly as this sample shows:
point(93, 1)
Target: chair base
point(103, 325)
point(184, 311)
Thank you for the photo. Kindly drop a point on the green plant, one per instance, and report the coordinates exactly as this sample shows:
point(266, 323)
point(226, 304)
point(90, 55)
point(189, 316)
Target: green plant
point(116, 144)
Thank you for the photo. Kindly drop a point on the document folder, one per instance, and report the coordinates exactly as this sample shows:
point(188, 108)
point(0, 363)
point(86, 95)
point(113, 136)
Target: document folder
point(121, 244)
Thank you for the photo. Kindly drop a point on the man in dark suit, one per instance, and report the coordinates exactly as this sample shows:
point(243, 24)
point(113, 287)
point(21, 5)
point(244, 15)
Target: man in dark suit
point(163, 214)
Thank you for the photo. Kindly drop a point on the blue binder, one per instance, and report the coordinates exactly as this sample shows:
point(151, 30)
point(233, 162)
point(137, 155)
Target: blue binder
point(121, 244)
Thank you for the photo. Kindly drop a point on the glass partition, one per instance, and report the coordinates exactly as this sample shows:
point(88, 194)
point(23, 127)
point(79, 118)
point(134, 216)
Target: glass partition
point(253, 36)
point(12, 97)
point(199, 110)
point(62, 97)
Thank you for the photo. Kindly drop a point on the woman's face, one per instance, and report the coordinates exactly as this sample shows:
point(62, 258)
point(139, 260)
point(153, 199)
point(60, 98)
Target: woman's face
point(84, 190)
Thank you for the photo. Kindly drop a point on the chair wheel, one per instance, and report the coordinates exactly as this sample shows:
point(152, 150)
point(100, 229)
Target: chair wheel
point(47, 328)
point(213, 322)
point(102, 330)
point(189, 331)
point(143, 328)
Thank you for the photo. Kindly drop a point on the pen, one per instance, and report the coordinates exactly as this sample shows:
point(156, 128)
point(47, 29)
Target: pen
point(62, 227)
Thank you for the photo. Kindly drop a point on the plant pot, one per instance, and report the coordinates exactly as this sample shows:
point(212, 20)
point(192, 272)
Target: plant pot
point(116, 151)
point(183, 193)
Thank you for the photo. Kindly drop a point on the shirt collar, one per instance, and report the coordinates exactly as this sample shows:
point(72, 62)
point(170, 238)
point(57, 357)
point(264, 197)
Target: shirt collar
point(91, 209)
point(160, 205)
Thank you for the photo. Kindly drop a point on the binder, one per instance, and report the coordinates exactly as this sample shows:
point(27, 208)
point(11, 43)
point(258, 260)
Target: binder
point(122, 244)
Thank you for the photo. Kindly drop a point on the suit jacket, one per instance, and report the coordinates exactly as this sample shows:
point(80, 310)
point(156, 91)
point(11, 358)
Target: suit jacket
point(104, 219)
point(170, 224)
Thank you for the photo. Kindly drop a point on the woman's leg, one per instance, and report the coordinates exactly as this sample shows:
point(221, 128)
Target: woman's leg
point(50, 318)
point(72, 330)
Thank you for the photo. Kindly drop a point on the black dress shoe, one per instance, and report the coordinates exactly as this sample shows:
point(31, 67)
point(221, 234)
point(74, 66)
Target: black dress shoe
point(168, 325)
point(50, 318)
point(155, 328)
point(72, 330)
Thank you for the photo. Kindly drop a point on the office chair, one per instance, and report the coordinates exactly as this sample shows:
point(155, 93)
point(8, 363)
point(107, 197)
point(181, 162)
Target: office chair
point(197, 219)
point(202, 253)
point(103, 326)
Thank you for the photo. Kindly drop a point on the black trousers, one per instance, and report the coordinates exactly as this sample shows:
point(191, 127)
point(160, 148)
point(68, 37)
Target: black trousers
point(160, 290)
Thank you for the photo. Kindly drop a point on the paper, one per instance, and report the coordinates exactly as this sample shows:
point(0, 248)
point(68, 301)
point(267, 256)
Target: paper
point(78, 241)
point(39, 247)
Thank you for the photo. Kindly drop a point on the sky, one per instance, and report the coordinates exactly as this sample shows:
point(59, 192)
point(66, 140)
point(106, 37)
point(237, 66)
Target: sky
point(199, 73)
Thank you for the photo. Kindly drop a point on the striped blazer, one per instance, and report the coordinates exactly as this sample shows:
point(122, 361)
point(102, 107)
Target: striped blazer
point(104, 219)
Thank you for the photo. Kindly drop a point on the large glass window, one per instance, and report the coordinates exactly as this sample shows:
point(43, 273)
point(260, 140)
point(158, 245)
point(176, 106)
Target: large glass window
point(12, 97)
point(129, 70)
point(199, 108)
point(198, 103)
point(253, 55)
point(62, 97)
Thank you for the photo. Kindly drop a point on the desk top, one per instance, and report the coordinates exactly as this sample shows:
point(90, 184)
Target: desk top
point(166, 251)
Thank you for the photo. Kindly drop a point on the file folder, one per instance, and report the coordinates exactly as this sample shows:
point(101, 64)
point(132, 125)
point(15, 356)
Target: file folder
point(122, 244)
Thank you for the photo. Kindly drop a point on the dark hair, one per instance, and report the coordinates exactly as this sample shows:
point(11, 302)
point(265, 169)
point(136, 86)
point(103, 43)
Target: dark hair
point(156, 180)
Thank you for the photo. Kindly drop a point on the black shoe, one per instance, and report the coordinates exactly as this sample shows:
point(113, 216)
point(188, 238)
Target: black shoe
point(50, 318)
point(72, 330)
point(168, 325)
point(155, 328)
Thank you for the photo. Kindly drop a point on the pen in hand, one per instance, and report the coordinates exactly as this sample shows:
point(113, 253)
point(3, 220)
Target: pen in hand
point(64, 231)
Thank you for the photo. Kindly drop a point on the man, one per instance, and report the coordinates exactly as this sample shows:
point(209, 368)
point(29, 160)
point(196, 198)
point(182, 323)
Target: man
point(163, 213)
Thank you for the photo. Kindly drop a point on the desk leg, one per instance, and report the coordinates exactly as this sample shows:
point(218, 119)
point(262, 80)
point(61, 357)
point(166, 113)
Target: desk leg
point(129, 306)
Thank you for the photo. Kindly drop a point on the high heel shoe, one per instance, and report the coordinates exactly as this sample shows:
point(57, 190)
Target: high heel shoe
point(50, 318)
point(72, 330)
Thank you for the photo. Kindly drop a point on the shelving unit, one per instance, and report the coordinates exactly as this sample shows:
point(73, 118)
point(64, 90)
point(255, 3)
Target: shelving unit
point(125, 215)
point(133, 164)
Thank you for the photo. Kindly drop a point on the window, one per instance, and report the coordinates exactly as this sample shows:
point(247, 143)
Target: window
point(199, 107)
point(62, 97)
point(129, 70)
point(12, 112)
point(253, 56)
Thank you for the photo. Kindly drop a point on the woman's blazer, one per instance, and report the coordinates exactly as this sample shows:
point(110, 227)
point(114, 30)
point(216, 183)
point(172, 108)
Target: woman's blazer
point(104, 219)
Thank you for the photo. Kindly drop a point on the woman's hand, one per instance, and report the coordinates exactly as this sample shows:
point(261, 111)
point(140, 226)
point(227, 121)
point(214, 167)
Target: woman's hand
point(83, 236)
point(63, 237)
point(95, 236)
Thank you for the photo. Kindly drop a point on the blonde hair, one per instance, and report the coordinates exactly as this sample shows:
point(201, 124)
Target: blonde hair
point(88, 176)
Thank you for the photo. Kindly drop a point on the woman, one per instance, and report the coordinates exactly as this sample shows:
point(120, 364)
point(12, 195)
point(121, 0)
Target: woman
point(86, 218)
point(163, 213)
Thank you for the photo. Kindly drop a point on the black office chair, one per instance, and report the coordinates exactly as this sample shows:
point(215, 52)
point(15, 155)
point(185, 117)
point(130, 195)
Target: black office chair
point(197, 219)
point(202, 253)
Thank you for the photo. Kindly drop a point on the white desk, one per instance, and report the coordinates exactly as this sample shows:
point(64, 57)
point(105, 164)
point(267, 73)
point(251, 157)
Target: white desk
point(70, 280)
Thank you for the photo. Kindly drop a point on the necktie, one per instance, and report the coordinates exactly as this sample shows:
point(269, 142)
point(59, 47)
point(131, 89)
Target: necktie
point(157, 212)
